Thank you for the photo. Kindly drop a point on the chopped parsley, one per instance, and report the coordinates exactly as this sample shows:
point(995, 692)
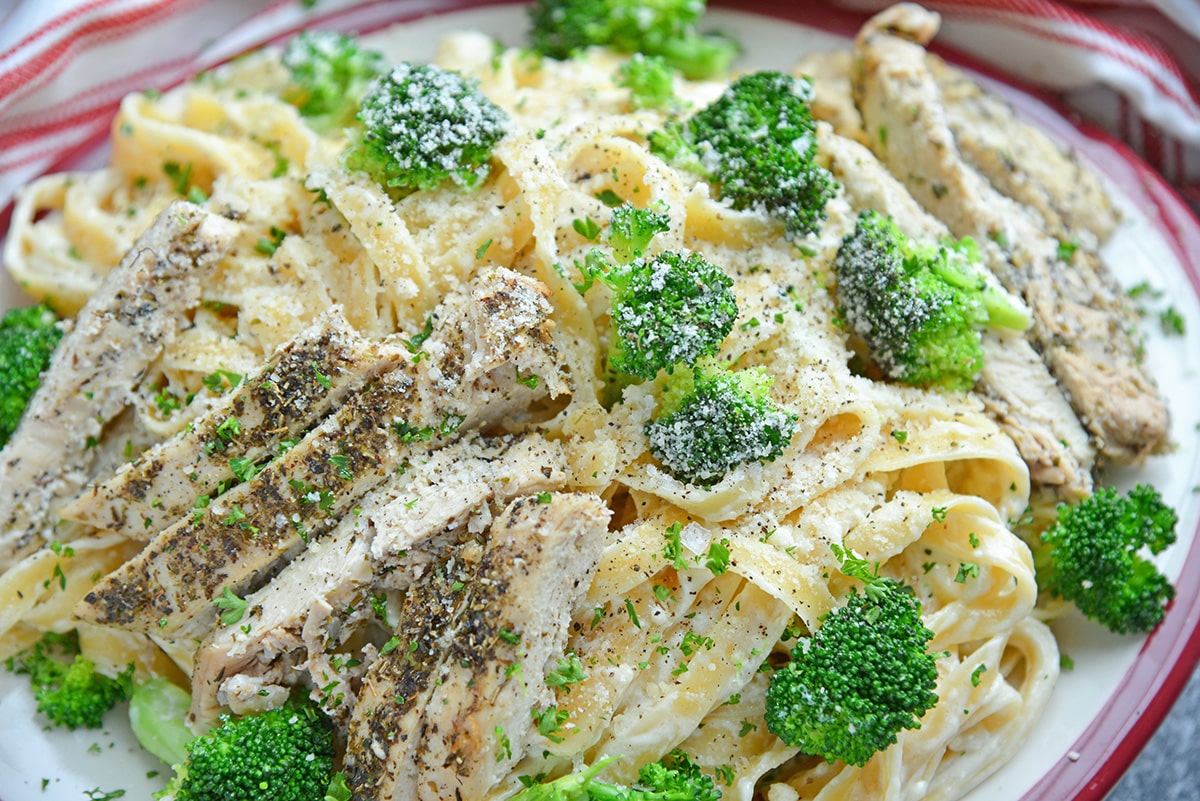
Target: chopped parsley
point(569, 671)
point(232, 607)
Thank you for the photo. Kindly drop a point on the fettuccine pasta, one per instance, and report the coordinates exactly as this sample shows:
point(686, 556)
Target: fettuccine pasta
point(679, 647)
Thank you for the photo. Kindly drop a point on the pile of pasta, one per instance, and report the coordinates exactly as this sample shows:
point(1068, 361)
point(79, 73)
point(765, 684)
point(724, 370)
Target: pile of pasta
point(920, 482)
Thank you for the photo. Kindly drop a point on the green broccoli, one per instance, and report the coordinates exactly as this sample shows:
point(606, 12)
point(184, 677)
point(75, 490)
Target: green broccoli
point(667, 28)
point(650, 81)
point(1090, 557)
point(862, 677)
point(70, 694)
point(668, 310)
point(919, 307)
point(285, 754)
point(673, 778)
point(423, 125)
point(757, 142)
point(712, 420)
point(632, 229)
point(28, 336)
point(330, 72)
point(156, 715)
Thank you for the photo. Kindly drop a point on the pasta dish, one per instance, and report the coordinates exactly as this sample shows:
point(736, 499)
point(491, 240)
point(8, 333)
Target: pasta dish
point(319, 436)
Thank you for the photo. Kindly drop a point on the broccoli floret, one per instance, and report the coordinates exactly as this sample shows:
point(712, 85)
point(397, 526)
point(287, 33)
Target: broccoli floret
point(650, 81)
point(423, 125)
point(28, 336)
point(713, 419)
point(70, 693)
point(757, 142)
point(330, 72)
point(1090, 557)
point(862, 677)
point(668, 310)
point(673, 778)
point(285, 754)
point(156, 715)
point(919, 306)
point(667, 28)
point(632, 229)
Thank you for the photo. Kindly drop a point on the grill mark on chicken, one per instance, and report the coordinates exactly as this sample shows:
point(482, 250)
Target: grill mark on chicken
point(249, 530)
point(1016, 386)
point(298, 386)
point(442, 740)
point(1083, 325)
point(394, 536)
point(120, 330)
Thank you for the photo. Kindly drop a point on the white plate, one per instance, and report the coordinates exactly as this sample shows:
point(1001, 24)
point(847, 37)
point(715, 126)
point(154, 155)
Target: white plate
point(1101, 713)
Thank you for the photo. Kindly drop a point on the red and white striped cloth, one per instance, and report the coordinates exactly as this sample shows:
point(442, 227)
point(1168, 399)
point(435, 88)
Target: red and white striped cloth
point(1130, 66)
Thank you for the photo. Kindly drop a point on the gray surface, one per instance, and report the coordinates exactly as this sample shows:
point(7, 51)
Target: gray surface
point(1169, 768)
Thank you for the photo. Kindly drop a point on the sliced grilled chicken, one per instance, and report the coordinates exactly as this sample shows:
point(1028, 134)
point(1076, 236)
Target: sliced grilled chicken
point(535, 573)
point(1015, 384)
point(1028, 404)
point(1022, 162)
point(1017, 158)
point(386, 726)
point(476, 709)
point(267, 648)
point(244, 534)
point(298, 386)
point(1083, 325)
point(448, 490)
point(133, 315)
point(454, 487)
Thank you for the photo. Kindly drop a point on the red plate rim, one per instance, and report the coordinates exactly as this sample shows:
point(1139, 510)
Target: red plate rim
point(1168, 657)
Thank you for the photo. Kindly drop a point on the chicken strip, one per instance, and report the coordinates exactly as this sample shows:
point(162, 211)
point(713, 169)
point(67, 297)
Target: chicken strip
point(1017, 158)
point(1083, 326)
point(134, 314)
point(314, 604)
point(386, 727)
point(1022, 162)
point(298, 386)
point(1016, 386)
point(477, 708)
point(468, 379)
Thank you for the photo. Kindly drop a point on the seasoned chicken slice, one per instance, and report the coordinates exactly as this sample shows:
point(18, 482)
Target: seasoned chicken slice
point(123, 327)
point(386, 727)
point(476, 717)
point(314, 604)
point(1023, 162)
point(242, 535)
point(1083, 326)
point(298, 386)
point(1017, 158)
point(1015, 384)
point(1027, 403)
point(535, 572)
